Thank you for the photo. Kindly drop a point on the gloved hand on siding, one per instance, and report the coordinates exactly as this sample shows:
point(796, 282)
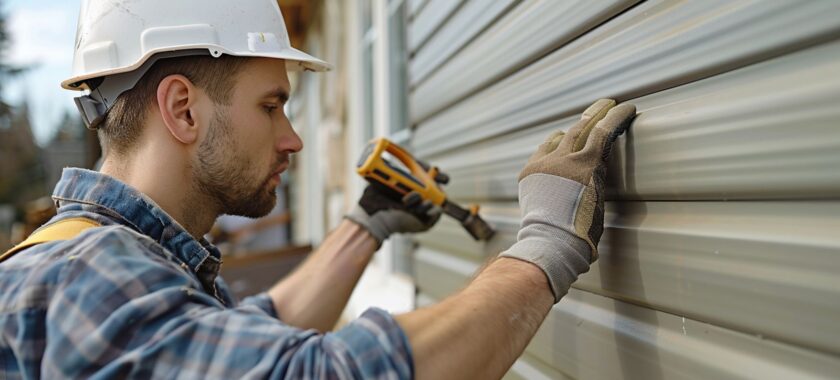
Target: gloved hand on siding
point(383, 214)
point(561, 195)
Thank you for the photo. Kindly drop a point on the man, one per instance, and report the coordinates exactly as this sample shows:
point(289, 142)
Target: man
point(202, 133)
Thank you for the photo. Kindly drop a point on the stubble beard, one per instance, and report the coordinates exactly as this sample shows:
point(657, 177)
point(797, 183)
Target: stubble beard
point(228, 179)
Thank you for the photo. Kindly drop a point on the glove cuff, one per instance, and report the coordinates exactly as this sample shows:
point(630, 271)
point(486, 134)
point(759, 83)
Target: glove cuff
point(561, 260)
point(548, 238)
point(359, 216)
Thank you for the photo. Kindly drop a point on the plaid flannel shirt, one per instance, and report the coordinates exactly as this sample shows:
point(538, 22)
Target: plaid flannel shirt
point(139, 297)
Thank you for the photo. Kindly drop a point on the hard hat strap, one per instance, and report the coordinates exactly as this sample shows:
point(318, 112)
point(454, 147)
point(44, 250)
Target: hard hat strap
point(95, 105)
point(92, 111)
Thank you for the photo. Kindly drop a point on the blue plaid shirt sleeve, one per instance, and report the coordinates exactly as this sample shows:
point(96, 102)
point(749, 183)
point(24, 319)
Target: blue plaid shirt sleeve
point(122, 312)
point(261, 302)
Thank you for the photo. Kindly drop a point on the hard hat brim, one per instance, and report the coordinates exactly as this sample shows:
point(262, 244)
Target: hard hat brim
point(296, 60)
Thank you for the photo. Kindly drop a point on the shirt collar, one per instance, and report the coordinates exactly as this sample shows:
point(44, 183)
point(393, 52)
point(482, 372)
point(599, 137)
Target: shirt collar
point(139, 212)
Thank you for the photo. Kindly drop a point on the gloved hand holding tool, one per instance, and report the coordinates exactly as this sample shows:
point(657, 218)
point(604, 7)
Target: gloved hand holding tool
point(409, 199)
point(383, 214)
point(561, 195)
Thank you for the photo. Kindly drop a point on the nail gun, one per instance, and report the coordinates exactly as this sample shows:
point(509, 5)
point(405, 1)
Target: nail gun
point(392, 169)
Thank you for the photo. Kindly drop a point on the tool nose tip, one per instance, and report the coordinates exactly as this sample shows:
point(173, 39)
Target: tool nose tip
point(442, 178)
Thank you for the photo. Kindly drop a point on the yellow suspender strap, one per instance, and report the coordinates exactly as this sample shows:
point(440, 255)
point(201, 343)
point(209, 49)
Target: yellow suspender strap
point(62, 230)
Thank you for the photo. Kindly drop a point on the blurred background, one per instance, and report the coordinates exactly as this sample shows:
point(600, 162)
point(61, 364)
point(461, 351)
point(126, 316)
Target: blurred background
point(40, 132)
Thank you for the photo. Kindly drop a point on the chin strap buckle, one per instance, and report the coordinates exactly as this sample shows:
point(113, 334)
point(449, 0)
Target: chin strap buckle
point(92, 111)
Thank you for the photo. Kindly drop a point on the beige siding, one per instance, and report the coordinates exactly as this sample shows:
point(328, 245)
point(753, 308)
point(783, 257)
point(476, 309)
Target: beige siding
point(588, 335)
point(764, 131)
point(722, 252)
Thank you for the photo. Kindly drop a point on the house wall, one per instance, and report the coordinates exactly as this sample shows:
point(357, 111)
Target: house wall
point(721, 251)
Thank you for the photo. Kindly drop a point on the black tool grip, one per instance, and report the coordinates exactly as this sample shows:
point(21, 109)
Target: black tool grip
point(477, 227)
point(442, 178)
point(459, 213)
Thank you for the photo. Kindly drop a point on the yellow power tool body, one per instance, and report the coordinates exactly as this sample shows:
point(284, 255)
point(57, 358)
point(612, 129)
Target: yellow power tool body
point(377, 167)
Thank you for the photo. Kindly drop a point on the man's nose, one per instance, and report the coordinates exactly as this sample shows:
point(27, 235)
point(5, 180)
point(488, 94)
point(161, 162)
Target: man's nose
point(289, 141)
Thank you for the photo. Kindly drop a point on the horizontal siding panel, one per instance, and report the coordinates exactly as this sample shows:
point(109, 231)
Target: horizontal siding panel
point(528, 31)
point(429, 20)
point(766, 131)
point(435, 283)
point(719, 262)
point(654, 46)
point(415, 6)
point(591, 336)
point(450, 237)
point(527, 367)
point(471, 19)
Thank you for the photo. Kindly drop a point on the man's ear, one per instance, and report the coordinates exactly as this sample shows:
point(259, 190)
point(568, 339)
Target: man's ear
point(176, 96)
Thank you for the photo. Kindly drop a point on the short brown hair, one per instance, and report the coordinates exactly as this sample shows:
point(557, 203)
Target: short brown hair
point(123, 124)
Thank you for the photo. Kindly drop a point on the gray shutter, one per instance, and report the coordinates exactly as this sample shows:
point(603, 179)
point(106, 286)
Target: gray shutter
point(721, 256)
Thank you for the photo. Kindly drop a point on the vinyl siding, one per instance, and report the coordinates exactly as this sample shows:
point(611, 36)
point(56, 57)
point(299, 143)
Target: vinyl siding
point(721, 252)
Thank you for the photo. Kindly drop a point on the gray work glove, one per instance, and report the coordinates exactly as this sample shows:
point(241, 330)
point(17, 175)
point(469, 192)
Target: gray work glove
point(561, 195)
point(383, 212)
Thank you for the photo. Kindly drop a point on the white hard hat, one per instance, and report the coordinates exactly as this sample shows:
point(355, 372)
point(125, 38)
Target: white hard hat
point(117, 41)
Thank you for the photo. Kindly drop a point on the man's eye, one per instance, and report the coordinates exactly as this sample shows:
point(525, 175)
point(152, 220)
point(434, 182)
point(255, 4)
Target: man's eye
point(269, 108)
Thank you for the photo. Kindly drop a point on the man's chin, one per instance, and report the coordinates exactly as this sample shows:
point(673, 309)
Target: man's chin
point(257, 206)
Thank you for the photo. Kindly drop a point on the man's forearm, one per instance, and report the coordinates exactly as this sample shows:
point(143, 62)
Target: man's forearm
point(480, 331)
point(314, 295)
